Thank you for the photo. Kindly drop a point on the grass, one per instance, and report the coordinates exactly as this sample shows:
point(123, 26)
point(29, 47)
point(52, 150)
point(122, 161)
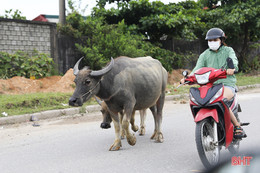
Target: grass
point(36, 102)
point(184, 89)
point(31, 103)
point(243, 79)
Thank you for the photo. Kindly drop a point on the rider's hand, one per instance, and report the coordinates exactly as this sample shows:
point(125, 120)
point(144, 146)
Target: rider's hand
point(230, 71)
point(182, 81)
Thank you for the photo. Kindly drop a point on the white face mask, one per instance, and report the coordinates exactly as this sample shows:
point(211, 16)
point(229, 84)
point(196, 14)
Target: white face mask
point(214, 45)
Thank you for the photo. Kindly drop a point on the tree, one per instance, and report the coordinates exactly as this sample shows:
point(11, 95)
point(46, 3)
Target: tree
point(240, 21)
point(98, 41)
point(10, 14)
point(185, 20)
point(190, 20)
point(156, 18)
point(102, 3)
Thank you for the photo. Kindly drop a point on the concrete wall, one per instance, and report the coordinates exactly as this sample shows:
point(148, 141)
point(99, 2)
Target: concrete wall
point(28, 36)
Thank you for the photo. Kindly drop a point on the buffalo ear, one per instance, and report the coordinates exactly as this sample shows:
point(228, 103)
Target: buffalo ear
point(76, 67)
point(104, 70)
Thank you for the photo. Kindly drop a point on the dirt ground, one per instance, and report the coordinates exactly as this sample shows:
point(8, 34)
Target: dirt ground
point(22, 85)
point(64, 84)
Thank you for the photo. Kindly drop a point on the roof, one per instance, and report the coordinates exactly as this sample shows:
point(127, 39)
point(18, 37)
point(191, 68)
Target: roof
point(47, 18)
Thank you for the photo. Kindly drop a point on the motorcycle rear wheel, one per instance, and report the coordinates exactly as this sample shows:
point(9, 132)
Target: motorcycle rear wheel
point(208, 151)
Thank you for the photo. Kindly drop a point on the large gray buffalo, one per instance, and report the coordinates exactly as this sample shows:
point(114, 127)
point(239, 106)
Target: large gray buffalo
point(125, 84)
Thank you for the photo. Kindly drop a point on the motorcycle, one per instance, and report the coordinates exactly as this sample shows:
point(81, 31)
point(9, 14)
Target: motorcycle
point(210, 110)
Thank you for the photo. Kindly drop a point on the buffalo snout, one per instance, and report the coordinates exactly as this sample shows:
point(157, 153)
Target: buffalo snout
point(75, 101)
point(105, 125)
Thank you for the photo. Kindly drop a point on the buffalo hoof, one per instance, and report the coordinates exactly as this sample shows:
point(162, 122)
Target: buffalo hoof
point(135, 128)
point(116, 146)
point(142, 131)
point(153, 136)
point(131, 139)
point(158, 137)
point(105, 125)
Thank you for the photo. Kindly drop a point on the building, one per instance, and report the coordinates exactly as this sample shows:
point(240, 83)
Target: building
point(47, 18)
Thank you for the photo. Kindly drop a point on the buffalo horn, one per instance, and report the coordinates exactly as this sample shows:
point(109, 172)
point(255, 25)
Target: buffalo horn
point(104, 70)
point(76, 67)
point(99, 101)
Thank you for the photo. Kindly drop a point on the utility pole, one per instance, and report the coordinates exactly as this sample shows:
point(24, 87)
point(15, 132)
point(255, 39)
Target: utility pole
point(62, 17)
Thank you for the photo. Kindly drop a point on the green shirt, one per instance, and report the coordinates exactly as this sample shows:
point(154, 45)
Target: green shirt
point(216, 60)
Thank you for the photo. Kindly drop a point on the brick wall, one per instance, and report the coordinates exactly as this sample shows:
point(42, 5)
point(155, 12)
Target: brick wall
point(27, 35)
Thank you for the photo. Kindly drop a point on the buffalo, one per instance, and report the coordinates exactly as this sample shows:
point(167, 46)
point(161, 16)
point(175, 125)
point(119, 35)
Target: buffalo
point(125, 84)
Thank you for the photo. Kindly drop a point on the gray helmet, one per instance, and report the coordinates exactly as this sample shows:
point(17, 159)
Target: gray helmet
point(214, 33)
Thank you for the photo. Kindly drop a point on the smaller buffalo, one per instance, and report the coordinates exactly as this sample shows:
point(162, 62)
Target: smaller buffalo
point(107, 119)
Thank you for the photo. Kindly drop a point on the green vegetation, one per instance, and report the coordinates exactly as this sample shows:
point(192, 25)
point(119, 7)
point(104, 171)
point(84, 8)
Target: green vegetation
point(36, 102)
point(243, 79)
point(22, 64)
point(187, 20)
point(136, 28)
point(10, 14)
point(156, 18)
point(100, 41)
point(172, 90)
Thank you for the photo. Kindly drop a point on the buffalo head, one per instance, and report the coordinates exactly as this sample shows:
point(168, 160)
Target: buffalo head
point(87, 83)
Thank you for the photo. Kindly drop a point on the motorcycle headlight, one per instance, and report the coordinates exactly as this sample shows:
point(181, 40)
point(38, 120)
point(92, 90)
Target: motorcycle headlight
point(217, 95)
point(202, 78)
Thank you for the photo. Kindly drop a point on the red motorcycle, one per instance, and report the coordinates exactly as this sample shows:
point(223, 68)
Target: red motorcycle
point(210, 110)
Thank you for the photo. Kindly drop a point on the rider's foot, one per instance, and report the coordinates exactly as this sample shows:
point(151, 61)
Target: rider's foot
point(239, 133)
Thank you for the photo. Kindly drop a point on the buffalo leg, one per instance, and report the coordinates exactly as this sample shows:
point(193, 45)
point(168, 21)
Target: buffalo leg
point(154, 112)
point(117, 143)
point(142, 119)
point(122, 132)
point(132, 121)
point(159, 104)
point(131, 139)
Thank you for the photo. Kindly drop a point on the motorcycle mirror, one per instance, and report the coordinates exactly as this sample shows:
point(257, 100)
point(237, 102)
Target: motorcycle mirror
point(230, 63)
point(185, 73)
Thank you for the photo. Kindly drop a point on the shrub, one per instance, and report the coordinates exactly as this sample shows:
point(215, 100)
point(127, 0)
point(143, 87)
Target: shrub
point(21, 64)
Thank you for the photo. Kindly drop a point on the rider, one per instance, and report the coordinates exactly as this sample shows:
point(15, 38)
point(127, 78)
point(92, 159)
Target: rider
point(215, 56)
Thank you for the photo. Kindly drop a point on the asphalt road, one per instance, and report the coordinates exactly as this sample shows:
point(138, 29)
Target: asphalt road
point(78, 144)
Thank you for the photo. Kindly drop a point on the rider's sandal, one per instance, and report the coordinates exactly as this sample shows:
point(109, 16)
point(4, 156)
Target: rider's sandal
point(239, 133)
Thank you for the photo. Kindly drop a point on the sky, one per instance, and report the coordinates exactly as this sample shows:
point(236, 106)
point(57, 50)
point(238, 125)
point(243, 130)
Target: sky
point(33, 8)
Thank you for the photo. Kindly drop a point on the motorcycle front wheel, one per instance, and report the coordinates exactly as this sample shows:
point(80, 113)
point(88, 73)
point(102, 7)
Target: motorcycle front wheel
point(208, 149)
